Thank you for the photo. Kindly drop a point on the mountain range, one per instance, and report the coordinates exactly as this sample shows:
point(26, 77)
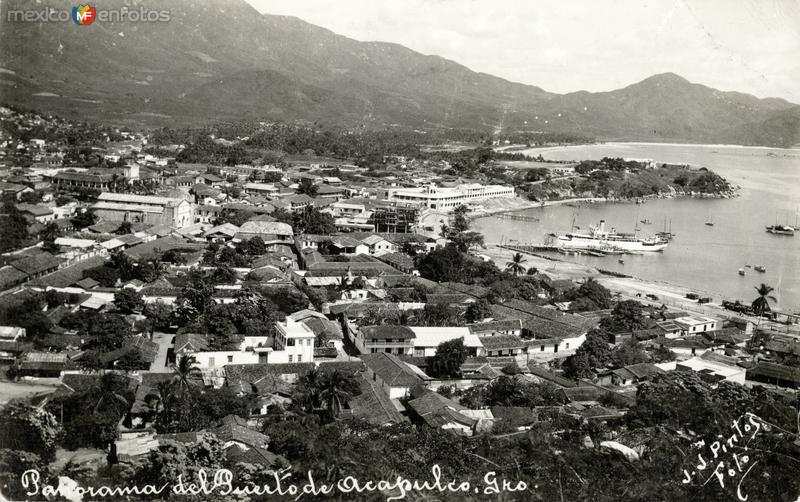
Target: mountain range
point(221, 60)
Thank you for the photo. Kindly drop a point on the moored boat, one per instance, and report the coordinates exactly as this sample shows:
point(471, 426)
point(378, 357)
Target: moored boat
point(760, 268)
point(599, 239)
point(780, 229)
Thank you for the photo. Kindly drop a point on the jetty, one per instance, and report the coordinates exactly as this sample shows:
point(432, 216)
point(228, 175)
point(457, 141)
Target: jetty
point(517, 217)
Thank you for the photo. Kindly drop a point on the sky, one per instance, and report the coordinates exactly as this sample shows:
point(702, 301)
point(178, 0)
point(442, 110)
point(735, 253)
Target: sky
point(750, 46)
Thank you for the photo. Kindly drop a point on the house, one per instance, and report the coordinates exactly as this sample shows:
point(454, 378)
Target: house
point(294, 343)
point(72, 180)
point(11, 333)
point(633, 374)
point(502, 345)
point(394, 377)
point(148, 209)
point(372, 405)
point(221, 233)
point(693, 325)
point(715, 366)
point(36, 212)
point(492, 328)
point(323, 328)
point(260, 189)
point(204, 213)
point(438, 412)
point(427, 339)
point(390, 339)
point(271, 232)
point(775, 374)
point(11, 277)
point(37, 265)
point(42, 364)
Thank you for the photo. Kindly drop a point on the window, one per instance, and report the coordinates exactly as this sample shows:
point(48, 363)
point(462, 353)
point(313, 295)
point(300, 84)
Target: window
point(299, 358)
point(230, 359)
point(567, 346)
point(542, 349)
point(211, 361)
point(290, 342)
point(387, 350)
point(290, 358)
point(555, 348)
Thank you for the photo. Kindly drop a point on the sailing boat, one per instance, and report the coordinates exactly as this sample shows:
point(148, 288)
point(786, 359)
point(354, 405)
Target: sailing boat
point(710, 222)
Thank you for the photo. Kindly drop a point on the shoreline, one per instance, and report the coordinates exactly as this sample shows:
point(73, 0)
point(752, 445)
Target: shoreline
point(670, 294)
point(648, 143)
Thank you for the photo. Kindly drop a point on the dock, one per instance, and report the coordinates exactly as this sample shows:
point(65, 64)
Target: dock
point(517, 217)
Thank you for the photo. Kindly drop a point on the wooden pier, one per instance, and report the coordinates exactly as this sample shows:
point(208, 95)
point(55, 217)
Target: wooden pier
point(517, 217)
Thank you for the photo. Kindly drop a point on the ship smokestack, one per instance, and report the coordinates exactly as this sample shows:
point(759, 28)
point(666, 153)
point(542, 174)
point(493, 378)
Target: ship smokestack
point(602, 225)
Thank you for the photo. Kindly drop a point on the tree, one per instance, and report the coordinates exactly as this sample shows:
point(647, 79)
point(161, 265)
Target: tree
point(186, 373)
point(123, 264)
point(128, 300)
point(159, 316)
point(479, 311)
point(449, 357)
point(593, 353)
point(307, 187)
point(626, 316)
point(28, 428)
point(85, 219)
point(336, 389)
point(13, 227)
point(153, 270)
point(108, 394)
point(761, 303)
point(598, 294)
point(629, 353)
point(515, 265)
point(124, 228)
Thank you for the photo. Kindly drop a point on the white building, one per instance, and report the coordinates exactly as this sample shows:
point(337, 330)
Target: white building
point(294, 343)
point(721, 367)
point(434, 197)
point(153, 210)
point(692, 325)
point(427, 340)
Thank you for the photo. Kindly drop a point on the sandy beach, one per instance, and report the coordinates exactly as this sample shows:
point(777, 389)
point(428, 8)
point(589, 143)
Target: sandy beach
point(627, 288)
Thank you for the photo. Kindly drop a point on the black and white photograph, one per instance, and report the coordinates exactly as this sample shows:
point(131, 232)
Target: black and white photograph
point(400, 250)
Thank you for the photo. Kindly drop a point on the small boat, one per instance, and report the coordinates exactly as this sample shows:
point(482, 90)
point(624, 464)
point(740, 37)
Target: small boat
point(621, 261)
point(760, 268)
point(780, 229)
point(741, 271)
point(710, 223)
point(645, 221)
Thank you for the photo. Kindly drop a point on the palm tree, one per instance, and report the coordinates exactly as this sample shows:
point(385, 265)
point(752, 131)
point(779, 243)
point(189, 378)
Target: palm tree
point(159, 400)
point(515, 265)
point(185, 373)
point(336, 390)
point(761, 304)
point(107, 394)
point(532, 271)
point(308, 392)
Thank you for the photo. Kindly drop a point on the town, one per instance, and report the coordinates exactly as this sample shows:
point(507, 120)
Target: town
point(171, 306)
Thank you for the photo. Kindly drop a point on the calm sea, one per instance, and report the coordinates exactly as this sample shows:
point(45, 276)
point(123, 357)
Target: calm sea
point(703, 257)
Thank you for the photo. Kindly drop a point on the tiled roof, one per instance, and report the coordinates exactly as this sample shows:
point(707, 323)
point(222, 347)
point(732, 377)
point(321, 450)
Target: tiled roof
point(387, 331)
point(36, 264)
point(502, 342)
point(495, 326)
point(391, 370)
point(373, 405)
